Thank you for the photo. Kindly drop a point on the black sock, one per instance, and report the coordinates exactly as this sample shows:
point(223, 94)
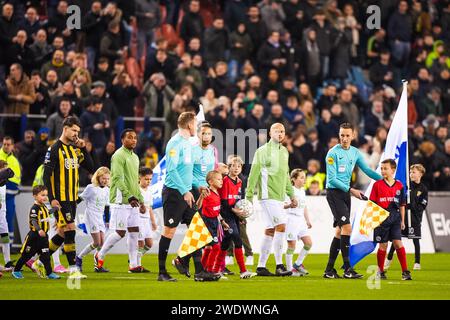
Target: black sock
point(164, 244)
point(391, 252)
point(197, 257)
point(334, 252)
point(44, 257)
point(69, 246)
point(417, 250)
point(345, 246)
point(55, 243)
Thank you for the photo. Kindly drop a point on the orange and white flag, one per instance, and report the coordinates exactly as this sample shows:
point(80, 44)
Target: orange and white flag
point(372, 217)
point(196, 237)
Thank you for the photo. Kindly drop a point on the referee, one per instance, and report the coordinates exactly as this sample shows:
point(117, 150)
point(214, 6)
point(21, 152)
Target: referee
point(341, 160)
point(61, 178)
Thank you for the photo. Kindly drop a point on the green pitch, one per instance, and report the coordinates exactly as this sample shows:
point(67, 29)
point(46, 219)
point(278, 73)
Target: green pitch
point(432, 282)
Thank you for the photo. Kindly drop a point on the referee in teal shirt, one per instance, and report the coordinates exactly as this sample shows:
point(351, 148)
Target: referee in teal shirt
point(341, 160)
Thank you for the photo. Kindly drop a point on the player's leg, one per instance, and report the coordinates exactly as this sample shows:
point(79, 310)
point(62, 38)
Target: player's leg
point(246, 244)
point(290, 252)
point(307, 244)
point(220, 259)
point(148, 243)
point(416, 242)
point(87, 249)
point(132, 240)
point(44, 257)
point(205, 254)
point(381, 256)
point(58, 238)
point(401, 254)
point(29, 249)
point(4, 240)
point(145, 240)
point(117, 224)
point(266, 244)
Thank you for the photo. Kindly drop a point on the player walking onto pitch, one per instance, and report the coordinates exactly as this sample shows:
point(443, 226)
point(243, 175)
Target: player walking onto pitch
point(341, 160)
point(96, 196)
point(269, 174)
point(61, 178)
point(125, 198)
point(5, 174)
point(389, 194)
point(297, 225)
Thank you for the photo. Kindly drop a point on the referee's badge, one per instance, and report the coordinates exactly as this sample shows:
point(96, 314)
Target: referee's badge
point(330, 160)
point(172, 153)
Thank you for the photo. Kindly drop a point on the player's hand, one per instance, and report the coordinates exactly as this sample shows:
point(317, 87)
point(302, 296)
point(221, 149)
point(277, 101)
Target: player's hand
point(80, 143)
point(133, 201)
point(55, 203)
point(309, 224)
point(189, 198)
point(225, 225)
point(142, 208)
point(204, 191)
point(403, 226)
point(356, 193)
point(42, 233)
point(294, 203)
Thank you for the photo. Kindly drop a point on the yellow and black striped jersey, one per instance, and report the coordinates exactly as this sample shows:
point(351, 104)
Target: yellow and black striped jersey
point(61, 165)
point(39, 218)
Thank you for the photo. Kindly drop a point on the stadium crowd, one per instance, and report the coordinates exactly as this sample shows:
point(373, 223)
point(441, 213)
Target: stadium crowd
point(308, 64)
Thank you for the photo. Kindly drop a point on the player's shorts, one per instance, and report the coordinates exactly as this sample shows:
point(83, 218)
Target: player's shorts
point(145, 228)
point(273, 213)
point(51, 230)
point(33, 243)
point(213, 226)
point(66, 215)
point(123, 217)
point(389, 230)
point(340, 204)
point(3, 222)
point(175, 208)
point(296, 228)
point(94, 222)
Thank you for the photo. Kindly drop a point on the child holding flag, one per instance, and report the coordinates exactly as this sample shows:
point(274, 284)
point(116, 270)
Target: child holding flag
point(389, 194)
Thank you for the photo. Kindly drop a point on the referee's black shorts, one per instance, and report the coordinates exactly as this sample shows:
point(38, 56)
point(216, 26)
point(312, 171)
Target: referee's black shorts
point(339, 202)
point(175, 208)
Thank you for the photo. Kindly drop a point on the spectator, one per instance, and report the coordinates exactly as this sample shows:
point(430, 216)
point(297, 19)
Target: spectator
point(109, 107)
point(254, 119)
point(341, 50)
point(276, 116)
point(216, 43)
point(296, 157)
point(8, 32)
point(234, 14)
point(374, 118)
point(68, 92)
point(57, 23)
point(443, 180)
point(271, 99)
point(292, 112)
point(327, 127)
point(192, 24)
point(400, 30)
point(31, 152)
point(309, 117)
point(21, 53)
point(305, 93)
point(441, 137)
point(163, 63)
point(241, 47)
point(106, 154)
point(309, 59)
point(337, 114)
point(271, 82)
point(209, 100)
point(375, 45)
point(42, 100)
point(94, 124)
point(328, 97)
point(433, 162)
point(371, 158)
point(295, 19)
point(349, 108)
point(148, 18)
point(186, 73)
point(287, 89)
point(270, 55)
point(111, 42)
point(41, 49)
point(103, 74)
point(94, 26)
point(219, 80)
point(314, 189)
point(31, 24)
point(315, 174)
point(382, 72)
point(54, 87)
point(58, 64)
point(313, 149)
point(256, 28)
point(194, 46)
point(272, 13)
point(323, 36)
point(379, 141)
point(55, 120)
point(124, 93)
point(432, 104)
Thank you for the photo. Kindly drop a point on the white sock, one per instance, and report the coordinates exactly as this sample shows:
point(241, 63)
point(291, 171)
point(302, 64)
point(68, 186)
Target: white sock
point(266, 246)
point(278, 241)
point(55, 257)
point(132, 242)
point(6, 252)
point(302, 256)
point(109, 243)
point(86, 250)
point(73, 269)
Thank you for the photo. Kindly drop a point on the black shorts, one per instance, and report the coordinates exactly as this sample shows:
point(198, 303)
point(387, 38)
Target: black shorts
point(340, 203)
point(389, 230)
point(213, 226)
point(175, 208)
point(413, 232)
point(34, 243)
point(66, 214)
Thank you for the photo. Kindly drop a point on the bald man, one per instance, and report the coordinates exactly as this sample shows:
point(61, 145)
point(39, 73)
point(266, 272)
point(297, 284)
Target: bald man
point(269, 175)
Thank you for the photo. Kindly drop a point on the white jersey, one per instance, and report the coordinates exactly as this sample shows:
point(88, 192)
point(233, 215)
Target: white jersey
point(300, 195)
point(3, 198)
point(97, 198)
point(148, 201)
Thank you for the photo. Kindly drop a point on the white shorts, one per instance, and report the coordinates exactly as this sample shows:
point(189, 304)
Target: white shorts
point(145, 228)
point(3, 222)
point(123, 217)
point(273, 213)
point(51, 230)
point(94, 222)
point(296, 228)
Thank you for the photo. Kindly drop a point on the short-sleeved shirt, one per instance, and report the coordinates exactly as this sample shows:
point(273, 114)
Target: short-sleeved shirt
point(204, 161)
point(230, 193)
point(179, 164)
point(211, 205)
point(148, 201)
point(300, 195)
point(96, 197)
point(388, 197)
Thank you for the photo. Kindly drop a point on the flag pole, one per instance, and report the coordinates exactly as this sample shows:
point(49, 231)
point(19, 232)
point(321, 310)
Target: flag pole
point(408, 194)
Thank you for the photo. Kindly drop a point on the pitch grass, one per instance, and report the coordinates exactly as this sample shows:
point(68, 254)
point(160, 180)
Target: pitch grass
point(432, 282)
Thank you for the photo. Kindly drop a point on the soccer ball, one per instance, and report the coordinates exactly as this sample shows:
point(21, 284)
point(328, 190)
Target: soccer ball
point(246, 206)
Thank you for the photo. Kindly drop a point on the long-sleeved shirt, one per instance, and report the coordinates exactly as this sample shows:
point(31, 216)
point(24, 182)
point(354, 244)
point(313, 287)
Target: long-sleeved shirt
point(340, 165)
point(180, 164)
point(124, 177)
point(269, 173)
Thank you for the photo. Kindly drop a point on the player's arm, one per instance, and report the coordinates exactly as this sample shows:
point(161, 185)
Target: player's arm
point(172, 163)
point(199, 202)
point(402, 214)
point(34, 218)
point(422, 200)
point(50, 162)
point(308, 221)
point(255, 172)
point(332, 174)
point(366, 169)
point(152, 218)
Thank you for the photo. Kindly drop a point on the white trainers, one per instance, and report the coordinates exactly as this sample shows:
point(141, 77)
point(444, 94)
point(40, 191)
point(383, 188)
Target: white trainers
point(295, 273)
point(77, 275)
point(229, 260)
point(302, 270)
point(249, 261)
point(416, 266)
point(247, 275)
point(39, 268)
point(387, 263)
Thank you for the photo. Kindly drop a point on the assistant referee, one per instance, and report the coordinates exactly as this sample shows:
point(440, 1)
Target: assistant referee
point(341, 160)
